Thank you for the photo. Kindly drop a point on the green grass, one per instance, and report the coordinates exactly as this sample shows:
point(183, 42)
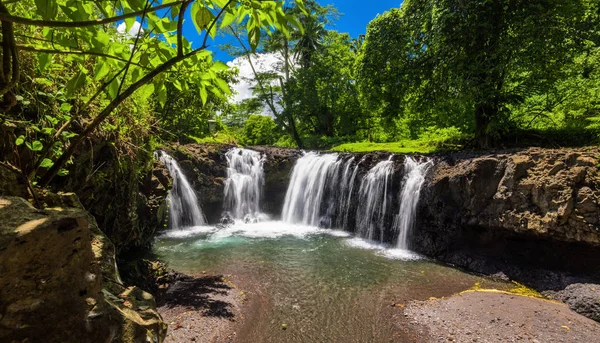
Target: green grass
point(419, 146)
point(220, 137)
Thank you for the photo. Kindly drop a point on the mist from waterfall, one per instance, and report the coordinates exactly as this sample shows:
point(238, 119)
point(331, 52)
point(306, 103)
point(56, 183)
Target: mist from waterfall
point(184, 207)
point(415, 173)
point(307, 186)
point(374, 199)
point(244, 184)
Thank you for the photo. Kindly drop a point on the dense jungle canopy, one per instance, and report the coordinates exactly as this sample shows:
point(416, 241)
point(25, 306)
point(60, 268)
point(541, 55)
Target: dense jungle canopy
point(429, 75)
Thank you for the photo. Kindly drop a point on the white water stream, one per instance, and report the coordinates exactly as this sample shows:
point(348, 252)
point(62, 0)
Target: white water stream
point(244, 184)
point(184, 207)
point(307, 185)
point(415, 173)
point(374, 200)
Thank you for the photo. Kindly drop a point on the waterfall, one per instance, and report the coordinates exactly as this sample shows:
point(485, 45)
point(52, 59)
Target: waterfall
point(184, 208)
point(306, 189)
point(244, 184)
point(374, 200)
point(346, 212)
point(415, 173)
point(345, 191)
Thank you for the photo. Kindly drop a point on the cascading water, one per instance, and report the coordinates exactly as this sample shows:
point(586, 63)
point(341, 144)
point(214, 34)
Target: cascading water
point(321, 193)
point(415, 173)
point(244, 184)
point(374, 200)
point(346, 211)
point(345, 191)
point(306, 189)
point(184, 208)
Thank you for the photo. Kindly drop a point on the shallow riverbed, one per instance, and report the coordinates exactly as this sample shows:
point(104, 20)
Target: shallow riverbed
point(314, 285)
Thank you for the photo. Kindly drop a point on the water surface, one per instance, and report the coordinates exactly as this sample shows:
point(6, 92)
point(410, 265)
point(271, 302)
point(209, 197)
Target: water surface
point(324, 285)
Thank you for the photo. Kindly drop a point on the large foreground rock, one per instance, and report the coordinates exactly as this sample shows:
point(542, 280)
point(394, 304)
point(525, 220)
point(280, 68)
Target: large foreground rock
point(59, 282)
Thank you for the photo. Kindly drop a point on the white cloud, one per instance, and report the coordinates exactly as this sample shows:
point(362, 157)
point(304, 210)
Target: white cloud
point(135, 29)
point(262, 62)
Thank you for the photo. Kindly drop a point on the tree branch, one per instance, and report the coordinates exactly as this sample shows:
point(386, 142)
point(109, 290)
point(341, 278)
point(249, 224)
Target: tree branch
point(182, 10)
point(75, 52)
point(135, 46)
point(70, 24)
point(108, 110)
point(214, 22)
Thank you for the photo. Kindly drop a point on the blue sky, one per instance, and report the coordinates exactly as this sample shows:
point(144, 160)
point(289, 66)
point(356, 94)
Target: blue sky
point(354, 19)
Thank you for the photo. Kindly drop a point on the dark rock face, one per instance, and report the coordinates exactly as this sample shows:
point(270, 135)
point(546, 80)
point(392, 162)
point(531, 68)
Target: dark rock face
point(581, 298)
point(119, 191)
point(205, 166)
point(60, 283)
point(536, 207)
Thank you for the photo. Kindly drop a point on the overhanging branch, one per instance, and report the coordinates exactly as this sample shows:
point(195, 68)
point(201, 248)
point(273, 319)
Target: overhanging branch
point(70, 24)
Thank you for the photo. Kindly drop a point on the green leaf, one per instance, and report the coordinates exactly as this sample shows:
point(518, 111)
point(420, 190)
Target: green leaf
point(101, 70)
point(43, 81)
point(203, 95)
point(44, 61)
point(48, 131)
point(63, 172)
point(66, 107)
point(35, 146)
point(51, 119)
point(219, 66)
point(46, 163)
point(162, 96)
point(113, 88)
point(202, 16)
point(254, 38)
point(227, 19)
point(20, 140)
point(75, 84)
point(48, 9)
point(223, 86)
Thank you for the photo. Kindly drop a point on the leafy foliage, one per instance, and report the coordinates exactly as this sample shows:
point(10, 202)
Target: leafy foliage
point(260, 130)
point(466, 62)
point(116, 64)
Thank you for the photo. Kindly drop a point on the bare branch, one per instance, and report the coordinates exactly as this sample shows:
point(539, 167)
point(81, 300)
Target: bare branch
point(182, 10)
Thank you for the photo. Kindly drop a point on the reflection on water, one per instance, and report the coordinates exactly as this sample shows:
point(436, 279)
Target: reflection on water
point(326, 286)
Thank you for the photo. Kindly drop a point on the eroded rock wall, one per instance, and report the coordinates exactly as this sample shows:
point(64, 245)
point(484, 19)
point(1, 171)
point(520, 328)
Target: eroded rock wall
point(59, 282)
point(535, 206)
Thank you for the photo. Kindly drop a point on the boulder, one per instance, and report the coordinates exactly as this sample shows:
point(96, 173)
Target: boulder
point(60, 283)
point(581, 298)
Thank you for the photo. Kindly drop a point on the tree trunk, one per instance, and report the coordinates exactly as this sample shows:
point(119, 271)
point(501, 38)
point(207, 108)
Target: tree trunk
point(293, 131)
point(483, 117)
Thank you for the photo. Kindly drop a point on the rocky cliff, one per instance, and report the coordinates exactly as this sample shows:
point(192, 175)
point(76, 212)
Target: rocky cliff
point(537, 207)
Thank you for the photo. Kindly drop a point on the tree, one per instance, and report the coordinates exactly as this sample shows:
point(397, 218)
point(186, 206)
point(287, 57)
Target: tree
point(185, 114)
point(260, 130)
point(123, 64)
point(474, 58)
point(295, 47)
point(323, 94)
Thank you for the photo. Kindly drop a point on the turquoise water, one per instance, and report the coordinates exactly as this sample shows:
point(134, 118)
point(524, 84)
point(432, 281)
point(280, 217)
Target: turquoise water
point(324, 285)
